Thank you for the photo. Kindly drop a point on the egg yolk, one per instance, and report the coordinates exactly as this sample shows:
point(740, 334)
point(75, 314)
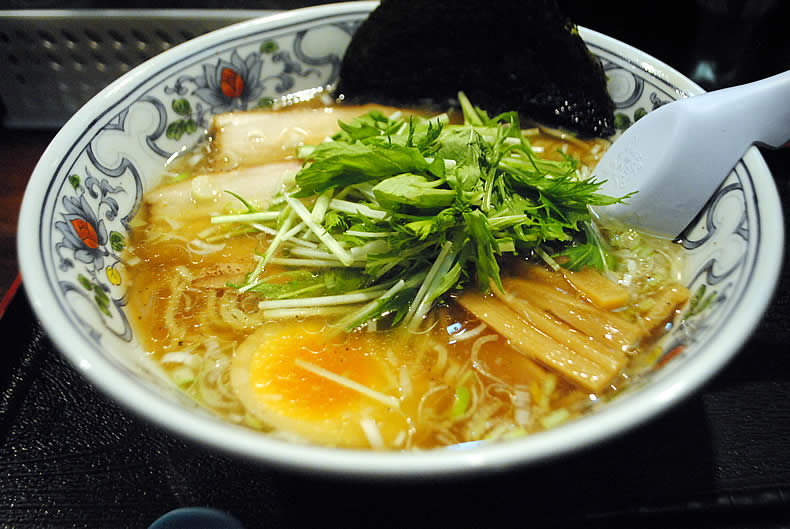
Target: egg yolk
point(299, 377)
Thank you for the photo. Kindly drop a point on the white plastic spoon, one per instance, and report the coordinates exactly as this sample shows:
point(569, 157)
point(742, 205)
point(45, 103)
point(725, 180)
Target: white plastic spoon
point(679, 154)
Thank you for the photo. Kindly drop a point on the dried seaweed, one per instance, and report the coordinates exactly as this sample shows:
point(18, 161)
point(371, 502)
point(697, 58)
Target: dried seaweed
point(505, 55)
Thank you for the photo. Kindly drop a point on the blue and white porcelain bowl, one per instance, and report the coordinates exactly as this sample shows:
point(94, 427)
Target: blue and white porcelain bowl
point(90, 181)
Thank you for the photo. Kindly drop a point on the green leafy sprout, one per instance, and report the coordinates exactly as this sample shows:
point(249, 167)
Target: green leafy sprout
point(394, 213)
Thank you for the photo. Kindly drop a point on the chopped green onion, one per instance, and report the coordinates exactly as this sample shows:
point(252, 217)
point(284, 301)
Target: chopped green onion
point(461, 402)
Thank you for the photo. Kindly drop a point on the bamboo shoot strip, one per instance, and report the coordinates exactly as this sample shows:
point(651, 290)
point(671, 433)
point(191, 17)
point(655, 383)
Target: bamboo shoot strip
point(605, 327)
point(548, 277)
point(536, 345)
point(609, 358)
point(600, 290)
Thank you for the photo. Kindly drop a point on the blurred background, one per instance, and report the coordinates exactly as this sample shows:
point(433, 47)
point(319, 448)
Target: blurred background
point(717, 43)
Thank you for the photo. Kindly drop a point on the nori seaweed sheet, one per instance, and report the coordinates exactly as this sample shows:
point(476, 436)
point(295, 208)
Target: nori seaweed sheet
point(522, 55)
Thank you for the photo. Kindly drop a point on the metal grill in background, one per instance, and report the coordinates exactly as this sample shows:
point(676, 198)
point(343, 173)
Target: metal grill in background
point(52, 62)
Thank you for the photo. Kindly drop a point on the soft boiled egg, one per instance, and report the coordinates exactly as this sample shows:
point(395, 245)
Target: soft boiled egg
point(327, 387)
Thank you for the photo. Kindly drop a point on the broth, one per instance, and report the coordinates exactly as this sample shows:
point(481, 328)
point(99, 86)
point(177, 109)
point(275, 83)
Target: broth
point(456, 379)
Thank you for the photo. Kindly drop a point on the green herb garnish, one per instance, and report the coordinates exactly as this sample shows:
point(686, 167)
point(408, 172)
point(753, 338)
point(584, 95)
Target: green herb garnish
point(420, 208)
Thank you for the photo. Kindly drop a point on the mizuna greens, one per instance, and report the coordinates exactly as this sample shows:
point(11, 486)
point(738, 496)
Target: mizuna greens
point(394, 213)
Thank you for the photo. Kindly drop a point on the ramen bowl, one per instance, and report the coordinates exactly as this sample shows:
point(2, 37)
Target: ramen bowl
point(88, 185)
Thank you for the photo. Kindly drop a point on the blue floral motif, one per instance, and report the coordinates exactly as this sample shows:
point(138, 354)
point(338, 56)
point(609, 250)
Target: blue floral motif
point(102, 189)
point(290, 68)
point(230, 85)
point(91, 221)
point(92, 245)
point(235, 84)
point(83, 233)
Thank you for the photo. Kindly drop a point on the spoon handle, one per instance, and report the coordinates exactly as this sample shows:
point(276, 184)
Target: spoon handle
point(676, 156)
point(757, 112)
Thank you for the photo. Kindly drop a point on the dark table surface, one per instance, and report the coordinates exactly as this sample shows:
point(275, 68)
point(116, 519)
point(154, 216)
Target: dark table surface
point(71, 458)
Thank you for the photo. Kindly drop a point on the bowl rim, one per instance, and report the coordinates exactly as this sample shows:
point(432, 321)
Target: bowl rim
point(607, 423)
